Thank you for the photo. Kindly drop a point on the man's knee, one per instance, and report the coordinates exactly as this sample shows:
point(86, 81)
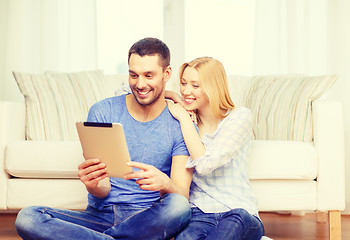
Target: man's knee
point(26, 219)
point(177, 206)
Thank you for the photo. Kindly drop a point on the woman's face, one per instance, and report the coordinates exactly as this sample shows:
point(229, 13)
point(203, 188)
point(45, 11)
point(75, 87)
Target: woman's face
point(191, 91)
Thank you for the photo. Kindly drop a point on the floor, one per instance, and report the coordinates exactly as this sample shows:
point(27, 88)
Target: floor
point(277, 226)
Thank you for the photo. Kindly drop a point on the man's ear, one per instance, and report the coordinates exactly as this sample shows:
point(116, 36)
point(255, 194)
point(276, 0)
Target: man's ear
point(167, 73)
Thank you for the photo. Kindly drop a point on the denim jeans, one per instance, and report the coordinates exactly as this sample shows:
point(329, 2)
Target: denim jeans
point(236, 224)
point(163, 220)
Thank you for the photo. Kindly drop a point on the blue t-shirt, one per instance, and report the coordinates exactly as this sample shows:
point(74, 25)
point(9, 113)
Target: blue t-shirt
point(154, 143)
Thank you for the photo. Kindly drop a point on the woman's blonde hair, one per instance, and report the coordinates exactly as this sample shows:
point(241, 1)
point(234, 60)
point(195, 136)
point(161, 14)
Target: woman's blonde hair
point(213, 80)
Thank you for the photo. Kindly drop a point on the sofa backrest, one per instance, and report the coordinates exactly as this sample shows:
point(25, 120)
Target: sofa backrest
point(280, 105)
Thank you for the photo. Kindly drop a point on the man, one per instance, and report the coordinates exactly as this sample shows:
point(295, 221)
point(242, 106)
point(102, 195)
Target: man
point(149, 203)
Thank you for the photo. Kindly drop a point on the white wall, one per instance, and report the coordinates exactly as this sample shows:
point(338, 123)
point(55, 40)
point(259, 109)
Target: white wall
point(340, 64)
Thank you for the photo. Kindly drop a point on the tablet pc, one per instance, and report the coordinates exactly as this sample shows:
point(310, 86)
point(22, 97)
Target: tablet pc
point(105, 141)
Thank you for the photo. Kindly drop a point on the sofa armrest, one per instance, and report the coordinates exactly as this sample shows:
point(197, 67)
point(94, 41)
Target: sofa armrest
point(12, 127)
point(328, 127)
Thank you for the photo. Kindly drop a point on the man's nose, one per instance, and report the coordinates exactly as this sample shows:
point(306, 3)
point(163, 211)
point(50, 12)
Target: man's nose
point(141, 83)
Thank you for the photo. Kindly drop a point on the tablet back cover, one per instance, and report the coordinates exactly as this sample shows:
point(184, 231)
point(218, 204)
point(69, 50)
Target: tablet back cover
point(106, 142)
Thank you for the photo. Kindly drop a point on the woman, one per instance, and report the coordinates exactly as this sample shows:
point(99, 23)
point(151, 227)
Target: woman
point(223, 204)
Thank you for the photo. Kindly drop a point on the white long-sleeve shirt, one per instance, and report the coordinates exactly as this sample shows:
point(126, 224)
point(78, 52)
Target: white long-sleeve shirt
point(220, 182)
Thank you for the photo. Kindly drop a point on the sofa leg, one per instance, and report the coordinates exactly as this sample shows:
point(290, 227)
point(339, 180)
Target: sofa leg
point(334, 225)
point(321, 217)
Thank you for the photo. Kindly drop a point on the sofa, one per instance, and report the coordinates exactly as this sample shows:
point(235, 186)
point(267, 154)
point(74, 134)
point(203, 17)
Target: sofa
point(296, 161)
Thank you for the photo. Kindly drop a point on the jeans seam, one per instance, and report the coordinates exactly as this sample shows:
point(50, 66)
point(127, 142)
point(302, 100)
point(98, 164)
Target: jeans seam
point(115, 221)
point(134, 215)
point(82, 219)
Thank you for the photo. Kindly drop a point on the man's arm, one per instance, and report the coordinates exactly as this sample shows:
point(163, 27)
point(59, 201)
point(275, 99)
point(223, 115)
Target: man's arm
point(151, 178)
point(180, 175)
point(93, 174)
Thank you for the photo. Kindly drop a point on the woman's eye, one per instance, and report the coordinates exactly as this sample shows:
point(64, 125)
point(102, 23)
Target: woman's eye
point(195, 86)
point(183, 83)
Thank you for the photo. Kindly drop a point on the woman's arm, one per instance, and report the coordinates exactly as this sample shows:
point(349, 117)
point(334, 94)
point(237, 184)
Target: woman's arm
point(229, 139)
point(192, 139)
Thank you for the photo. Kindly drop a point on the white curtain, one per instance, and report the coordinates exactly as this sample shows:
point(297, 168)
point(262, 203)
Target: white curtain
point(43, 35)
point(291, 36)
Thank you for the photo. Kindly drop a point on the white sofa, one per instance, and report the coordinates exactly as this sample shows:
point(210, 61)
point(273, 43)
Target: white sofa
point(285, 175)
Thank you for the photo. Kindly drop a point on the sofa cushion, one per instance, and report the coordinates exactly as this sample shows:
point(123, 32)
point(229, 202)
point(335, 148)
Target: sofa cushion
point(56, 193)
point(285, 195)
point(43, 159)
point(55, 101)
point(282, 160)
point(267, 160)
point(281, 105)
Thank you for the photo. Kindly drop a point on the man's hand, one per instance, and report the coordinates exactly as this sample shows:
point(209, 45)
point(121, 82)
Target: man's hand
point(91, 172)
point(149, 178)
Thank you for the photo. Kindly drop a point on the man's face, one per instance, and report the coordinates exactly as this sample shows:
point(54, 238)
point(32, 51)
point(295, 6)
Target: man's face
point(147, 78)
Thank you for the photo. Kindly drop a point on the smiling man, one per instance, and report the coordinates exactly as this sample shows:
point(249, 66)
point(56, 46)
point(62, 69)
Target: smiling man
point(149, 203)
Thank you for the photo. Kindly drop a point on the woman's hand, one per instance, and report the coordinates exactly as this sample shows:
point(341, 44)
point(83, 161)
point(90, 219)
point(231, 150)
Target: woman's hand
point(180, 113)
point(176, 98)
point(193, 115)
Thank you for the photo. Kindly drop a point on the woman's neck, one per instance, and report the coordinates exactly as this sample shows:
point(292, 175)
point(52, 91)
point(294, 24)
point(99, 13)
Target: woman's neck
point(208, 122)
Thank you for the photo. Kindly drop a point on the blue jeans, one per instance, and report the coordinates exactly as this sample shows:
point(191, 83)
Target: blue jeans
point(163, 220)
point(231, 225)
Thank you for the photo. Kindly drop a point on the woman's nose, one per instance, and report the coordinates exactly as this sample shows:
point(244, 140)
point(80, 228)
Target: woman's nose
point(186, 91)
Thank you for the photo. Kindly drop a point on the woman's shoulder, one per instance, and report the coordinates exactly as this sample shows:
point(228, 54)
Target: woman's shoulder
point(239, 110)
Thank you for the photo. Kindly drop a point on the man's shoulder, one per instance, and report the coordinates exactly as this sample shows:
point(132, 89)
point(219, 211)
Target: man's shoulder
point(169, 118)
point(173, 125)
point(115, 100)
point(105, 109)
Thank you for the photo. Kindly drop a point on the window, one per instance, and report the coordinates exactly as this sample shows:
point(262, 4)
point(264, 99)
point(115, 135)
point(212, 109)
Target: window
point(120, 23)
point(222, 29)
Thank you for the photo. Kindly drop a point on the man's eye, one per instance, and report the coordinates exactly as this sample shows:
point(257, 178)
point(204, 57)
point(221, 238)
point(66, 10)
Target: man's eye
point(149, 76)
point(133, 75)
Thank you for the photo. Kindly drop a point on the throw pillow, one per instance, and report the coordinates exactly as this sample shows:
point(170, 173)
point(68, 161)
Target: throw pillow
point(56, 101)
point(282, 105)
